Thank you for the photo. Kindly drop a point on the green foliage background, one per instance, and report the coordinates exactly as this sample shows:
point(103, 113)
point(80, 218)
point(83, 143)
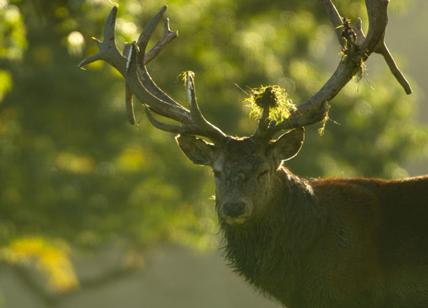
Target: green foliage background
point(72, 168)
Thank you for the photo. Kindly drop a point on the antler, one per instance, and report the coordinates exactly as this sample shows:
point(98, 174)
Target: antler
point(357, 48)
point(140, 83)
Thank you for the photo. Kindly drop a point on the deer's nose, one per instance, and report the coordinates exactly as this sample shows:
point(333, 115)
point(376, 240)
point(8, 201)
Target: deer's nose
point(234, 209)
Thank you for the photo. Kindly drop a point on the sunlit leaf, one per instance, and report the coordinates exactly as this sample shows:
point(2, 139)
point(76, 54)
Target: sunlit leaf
point(50, 257)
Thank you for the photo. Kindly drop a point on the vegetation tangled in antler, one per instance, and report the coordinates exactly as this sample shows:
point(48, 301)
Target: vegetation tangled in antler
point(273, 99)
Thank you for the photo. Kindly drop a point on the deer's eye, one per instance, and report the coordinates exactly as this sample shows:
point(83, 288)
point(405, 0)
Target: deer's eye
point(262, 174)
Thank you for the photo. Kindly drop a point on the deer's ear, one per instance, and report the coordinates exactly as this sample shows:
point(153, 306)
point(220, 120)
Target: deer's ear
point(196, 149)
point(288, 145)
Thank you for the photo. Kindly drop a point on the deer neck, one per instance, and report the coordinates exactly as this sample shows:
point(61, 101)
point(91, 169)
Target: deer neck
point(297, 208)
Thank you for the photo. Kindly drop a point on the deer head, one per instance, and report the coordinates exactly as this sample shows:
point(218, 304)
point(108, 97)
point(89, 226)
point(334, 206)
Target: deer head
point(244, 168)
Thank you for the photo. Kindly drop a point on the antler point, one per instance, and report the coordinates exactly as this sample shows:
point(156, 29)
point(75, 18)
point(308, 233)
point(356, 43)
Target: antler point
point(163, 10)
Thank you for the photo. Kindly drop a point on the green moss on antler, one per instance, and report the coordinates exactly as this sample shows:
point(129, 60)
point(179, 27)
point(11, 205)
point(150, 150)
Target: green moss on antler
point(273, 97)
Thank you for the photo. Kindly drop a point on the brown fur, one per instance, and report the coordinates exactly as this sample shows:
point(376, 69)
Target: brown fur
point(374, 246)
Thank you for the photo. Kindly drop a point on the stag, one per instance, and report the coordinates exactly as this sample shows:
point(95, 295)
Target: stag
point(355, 242)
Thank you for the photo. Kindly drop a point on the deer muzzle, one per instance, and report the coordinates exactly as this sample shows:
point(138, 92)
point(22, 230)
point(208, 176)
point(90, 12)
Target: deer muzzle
point(236, 212)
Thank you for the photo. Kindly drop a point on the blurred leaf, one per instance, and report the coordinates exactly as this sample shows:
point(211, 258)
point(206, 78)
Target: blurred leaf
point(12, 32)
point(5, 84)
point(51, 258)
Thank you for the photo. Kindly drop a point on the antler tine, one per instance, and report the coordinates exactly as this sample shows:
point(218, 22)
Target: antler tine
point(399, 76)
point(357, 49)
point(171, 128)
point(168, 36)
point(142, 43)
point(263, 122)
point(129, 104)
point(185, 129)
point(109, 53)
point(200, 126)
point(335, 18)
point(107, 48)
point(378, 19)
point(197, 116)
point(266, 101)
